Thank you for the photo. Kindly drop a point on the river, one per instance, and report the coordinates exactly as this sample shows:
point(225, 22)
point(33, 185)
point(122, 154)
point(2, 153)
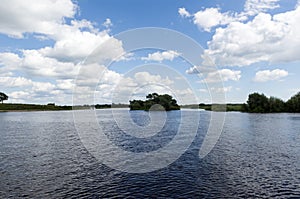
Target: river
point(256, 156)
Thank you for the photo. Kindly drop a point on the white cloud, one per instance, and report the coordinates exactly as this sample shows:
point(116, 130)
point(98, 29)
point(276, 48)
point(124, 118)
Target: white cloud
point(265, 38)
point(24, 90)
point(8, 63)
point(160, 56)
point(211, 17)
point(221, 89)
point(270, 75)
point(15, 82)
point(183, 12)
point(73, 44)
point(137, 86)
point(83, 24)
point(57, 64)
point(9, 60)
point(225, 74)
point(36, 64)
point(18, 17)
point(107, 23)
point(19, 96)
point(202, 90)
point(199, 69)
point(239, 41)
point(65, 84)
point(253, 7)
point(40, 87)
point(147, 78)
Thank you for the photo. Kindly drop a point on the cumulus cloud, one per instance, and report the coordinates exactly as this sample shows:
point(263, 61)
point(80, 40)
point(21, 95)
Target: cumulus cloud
point(138, 85)
point(270, 75)
point(199, 69)
point(35, 64)
point(147, 78)
point(73, 44)
point(58, 64)
point(160, 56)
point(107, 23)
point(65, 84)
point(24, 89)
point(221, 89)
point(225, 74)
point(262, 39)
point(20, 96)
point(15, 81)
point(183, 12)
point(251, 36)
point(253, 7)
point(211, 17)
point(18, 17)
point(9, 60)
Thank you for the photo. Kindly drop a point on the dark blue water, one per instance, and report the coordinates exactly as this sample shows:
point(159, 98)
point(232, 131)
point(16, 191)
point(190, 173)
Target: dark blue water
point(257, 156)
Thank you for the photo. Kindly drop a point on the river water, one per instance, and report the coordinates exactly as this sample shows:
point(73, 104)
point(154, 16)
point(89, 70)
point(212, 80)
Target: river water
point(256, 156)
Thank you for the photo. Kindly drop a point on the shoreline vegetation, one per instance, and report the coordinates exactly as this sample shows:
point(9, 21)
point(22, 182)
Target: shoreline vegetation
point(32, 107)
point(16, 107)
point(256, 103)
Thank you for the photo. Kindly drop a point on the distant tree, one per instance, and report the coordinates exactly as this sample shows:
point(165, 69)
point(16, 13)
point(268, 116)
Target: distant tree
point(3, 97)
point(276, 105)
point(149, 96)
point(101, 106)
point(244, 108)
point(258, 103)
point(293, 104)
point(166, 101)
point(155, 95)
point(136, 105)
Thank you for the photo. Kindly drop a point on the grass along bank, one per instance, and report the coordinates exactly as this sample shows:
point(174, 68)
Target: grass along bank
point(32, 107)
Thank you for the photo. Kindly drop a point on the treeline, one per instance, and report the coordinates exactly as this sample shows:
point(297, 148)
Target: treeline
point(256, 103)
point(103, 106)
point(259, 103)
point(33, 107)
point(221, 107)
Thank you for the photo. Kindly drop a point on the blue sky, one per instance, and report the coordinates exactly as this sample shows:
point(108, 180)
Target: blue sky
point(253, 45)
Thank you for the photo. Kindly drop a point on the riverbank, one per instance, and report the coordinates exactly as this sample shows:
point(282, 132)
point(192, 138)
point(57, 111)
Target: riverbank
point(32, 107)
point(52, 107)
point(10, 107)
point(216, 107)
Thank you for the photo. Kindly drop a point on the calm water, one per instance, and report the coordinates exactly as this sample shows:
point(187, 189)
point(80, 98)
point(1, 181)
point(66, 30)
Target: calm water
point(257, 156)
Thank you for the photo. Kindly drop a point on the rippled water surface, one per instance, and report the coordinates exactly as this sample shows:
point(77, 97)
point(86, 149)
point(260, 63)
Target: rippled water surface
point(257, 156)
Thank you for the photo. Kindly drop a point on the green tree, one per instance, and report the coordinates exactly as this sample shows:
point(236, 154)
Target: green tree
point(258, 103)
point(136, 105)
point(293, 104)
point(244, 107)
point(3, 97)
point(276, 105)
point(165, 100)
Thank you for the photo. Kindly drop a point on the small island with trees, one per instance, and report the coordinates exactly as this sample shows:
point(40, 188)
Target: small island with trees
point(155, 102)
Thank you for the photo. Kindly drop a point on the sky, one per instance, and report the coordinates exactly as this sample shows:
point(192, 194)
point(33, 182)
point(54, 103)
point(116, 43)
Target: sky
point(74, 52)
